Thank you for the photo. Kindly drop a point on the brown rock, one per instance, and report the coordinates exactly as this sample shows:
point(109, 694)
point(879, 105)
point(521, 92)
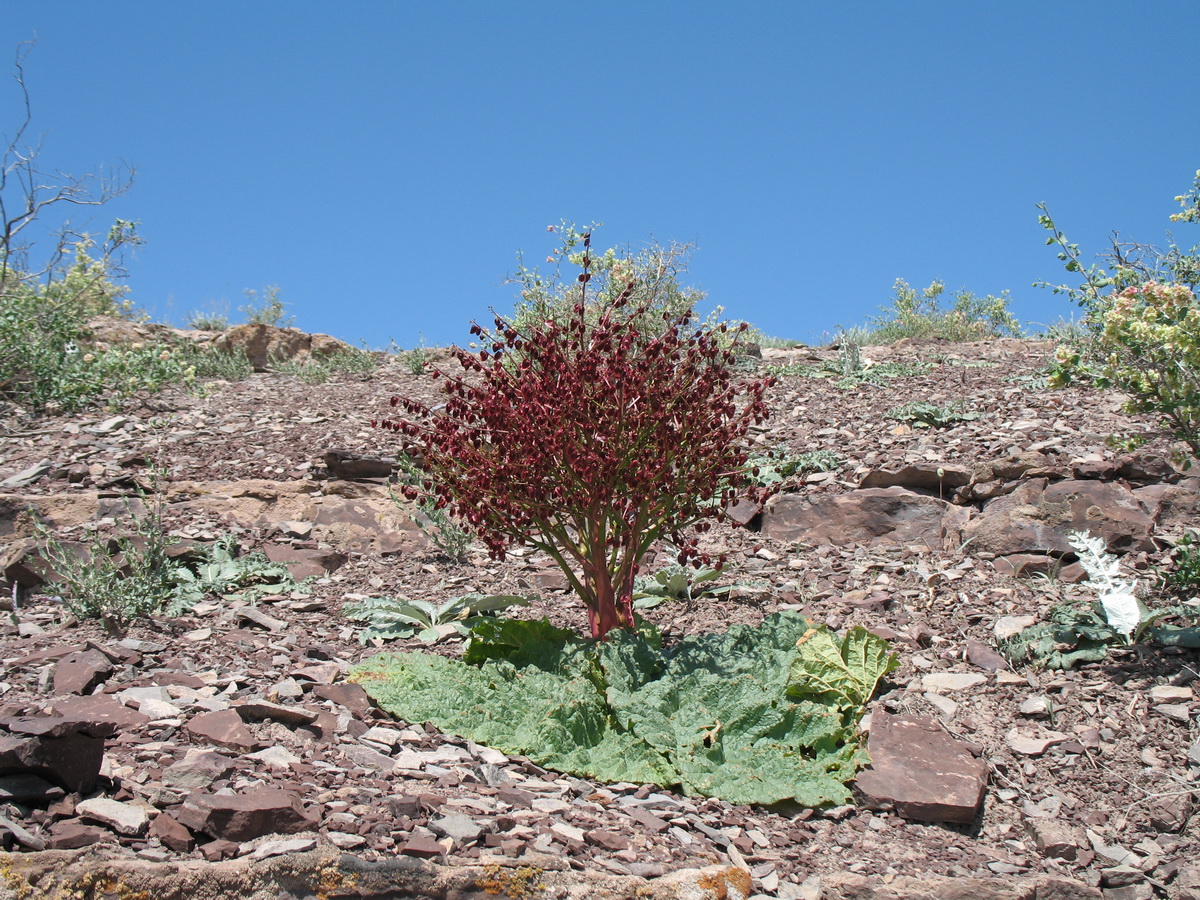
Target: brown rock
point(198, 769)
point(223, 728)
point(866, 516)
point(344, 464)
point(264, 344)
point(423, 847)
point(257, 710)
point(347, 694)
point(172, 834)
point(306, 563)
point(1036, 517)
point(74, 835)
point(985, 657)
point(68, 753)
point(1057, 840)
point(80, 673)
point(97, 710)
point(1020, 565)
point(847, 886)
point(921, 771)
point(243, 817)
point(938, 478)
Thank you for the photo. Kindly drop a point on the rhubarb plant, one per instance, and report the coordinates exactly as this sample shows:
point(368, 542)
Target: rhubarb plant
point(590, 438)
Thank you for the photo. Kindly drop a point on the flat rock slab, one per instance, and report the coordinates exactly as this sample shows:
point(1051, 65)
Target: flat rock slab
point(80, 673)
point(871, 516)
point(863, 887)
point(243, 817)
point(223, 728)
point(123, 818)
point(921, 771)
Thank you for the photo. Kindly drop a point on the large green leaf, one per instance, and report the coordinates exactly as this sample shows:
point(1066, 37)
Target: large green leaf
point(712, 715)
point(844, 671)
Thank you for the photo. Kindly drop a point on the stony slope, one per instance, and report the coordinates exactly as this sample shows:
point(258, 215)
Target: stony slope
point(917, 535)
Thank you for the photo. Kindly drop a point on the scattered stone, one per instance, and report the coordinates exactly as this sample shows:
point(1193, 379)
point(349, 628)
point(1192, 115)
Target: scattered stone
point(223, 728)
point(198, 769)
point(243, 817)
point(459, 828)
point(1057, 840)
point(123, 818)
point(1011, 626)
point(1035, 707)
point(74, 835)
point(256, 616)
point(278, 848)
point(258, 710)
point(985, 657)
point(28, 788)
point(940, 682)
point(920, 771)
point(172, 834)
point(1027, 745)
point(423, 847)
point(80, 673)
point(66, 752)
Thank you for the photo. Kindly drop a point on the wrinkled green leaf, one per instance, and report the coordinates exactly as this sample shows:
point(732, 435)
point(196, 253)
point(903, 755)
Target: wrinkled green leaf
point(843, 671)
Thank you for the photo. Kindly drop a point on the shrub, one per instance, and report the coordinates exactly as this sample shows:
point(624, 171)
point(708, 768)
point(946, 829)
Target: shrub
point(208, 321)
point(319, 369)
point(920, 316)
point(265, 309)
point(590, 438)
point(1141, 330)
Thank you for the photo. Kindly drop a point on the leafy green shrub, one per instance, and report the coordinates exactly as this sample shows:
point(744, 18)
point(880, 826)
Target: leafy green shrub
point(923, 414)
point(921, 317)
point(1184, 574)
point(319, 369)
point(209, 362)
point(1141, 326)
point(265, 309)
point(1076, 635)
point(219, 570)
point(760, 714)
point(590, 440)
point(208, 321)
point(431, 622)
point(448, 536)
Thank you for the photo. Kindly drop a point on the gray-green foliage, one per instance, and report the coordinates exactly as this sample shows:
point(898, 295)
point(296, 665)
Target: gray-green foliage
point(677, 583)
point(389, 618)
point(776, 466)
point(450, 538)
point(219, 570)
point(923, 414)
point(727, 715)
point(921, 316)
point(265, 308)
point(133, 575)
point(319, 369)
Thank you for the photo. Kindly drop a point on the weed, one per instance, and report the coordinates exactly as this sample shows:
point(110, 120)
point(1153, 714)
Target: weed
point(318, 370)
point(431, 622)
point(922, 414)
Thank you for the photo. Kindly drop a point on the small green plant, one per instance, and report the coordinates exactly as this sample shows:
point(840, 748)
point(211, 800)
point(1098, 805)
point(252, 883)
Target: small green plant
point(922, 414)
point(1184, 575)
point(219, 570)
point(388, 618)
point(776, 466)
point(451, 539)
point(416, 360)
point(265, 308)
point(1076, 634)
point(116, 579)
point(319, 369)
point(208, 321)
point(920, 316)
point(676, 583)
point(208, 362)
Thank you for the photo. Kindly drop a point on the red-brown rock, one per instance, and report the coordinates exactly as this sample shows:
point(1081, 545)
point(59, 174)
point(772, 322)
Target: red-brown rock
point(80, 673)
point(243, 817)
point(921, 771)
point(868, 516)
point(223, 728)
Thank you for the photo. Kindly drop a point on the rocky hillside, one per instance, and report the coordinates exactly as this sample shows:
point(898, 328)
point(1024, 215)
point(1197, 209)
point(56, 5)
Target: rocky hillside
point(941, 522)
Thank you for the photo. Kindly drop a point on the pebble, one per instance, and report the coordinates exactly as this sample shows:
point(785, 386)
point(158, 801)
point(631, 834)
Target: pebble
point(940, 682)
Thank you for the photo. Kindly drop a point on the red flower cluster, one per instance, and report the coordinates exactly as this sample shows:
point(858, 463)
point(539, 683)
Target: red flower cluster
point(589, 442)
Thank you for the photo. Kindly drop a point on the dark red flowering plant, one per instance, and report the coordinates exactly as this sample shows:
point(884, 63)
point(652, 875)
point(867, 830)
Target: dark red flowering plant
point(589, 439)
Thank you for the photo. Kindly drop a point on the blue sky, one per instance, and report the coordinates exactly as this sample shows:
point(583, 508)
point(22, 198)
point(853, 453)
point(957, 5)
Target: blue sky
point(383, 162)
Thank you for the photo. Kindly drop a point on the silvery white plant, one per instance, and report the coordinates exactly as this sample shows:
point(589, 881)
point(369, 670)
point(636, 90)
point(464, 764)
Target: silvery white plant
point(1122, 609)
